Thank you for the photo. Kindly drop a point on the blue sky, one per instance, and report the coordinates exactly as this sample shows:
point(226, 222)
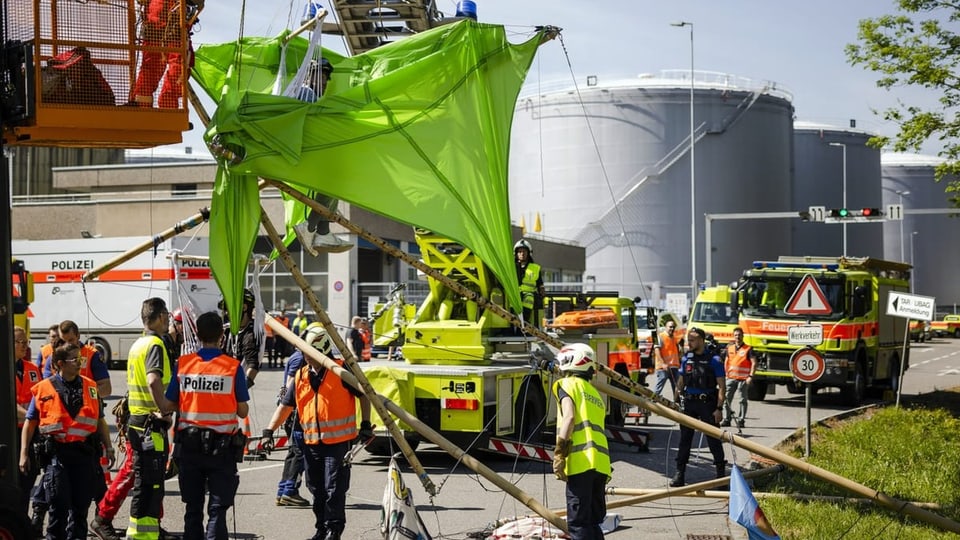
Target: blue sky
point(798, 45)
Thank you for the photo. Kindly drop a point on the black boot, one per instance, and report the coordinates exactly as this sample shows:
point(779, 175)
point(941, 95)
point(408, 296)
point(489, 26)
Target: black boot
point(679, 478)
point(721, 469)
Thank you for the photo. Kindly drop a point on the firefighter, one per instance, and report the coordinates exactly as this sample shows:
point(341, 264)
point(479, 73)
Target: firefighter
point(739, 366)
point(582, 456)
point(66, 410)
point(148, 373)
point(27, 375)
point(161, 28)
point(244, 345)
point(702, 388)
point(530, 280)
point(211, 392)
point(326, 407)
point(667, 356)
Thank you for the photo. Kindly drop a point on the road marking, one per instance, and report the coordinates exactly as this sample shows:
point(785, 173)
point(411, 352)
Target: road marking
point(948, 372)
point(242, 470)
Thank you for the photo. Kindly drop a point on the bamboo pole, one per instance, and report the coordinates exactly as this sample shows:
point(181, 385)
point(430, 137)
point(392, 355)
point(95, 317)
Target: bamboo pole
point(198, 105)
point(711, 494)
point(184, 225)
point(482, 302)
point(682, 491)
point(475, 465)
point(883, 499)
point(361, 381)
point(309, 25)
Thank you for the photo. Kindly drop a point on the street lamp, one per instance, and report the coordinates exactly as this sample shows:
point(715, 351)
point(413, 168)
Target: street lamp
point(901, 194)
point(693, 176)
point(844, 148)
point(913, 271)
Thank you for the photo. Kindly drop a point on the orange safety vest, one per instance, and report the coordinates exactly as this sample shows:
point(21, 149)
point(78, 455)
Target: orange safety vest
point(45, 353)
point(328, 415)
point(669, 352)
point(56, 422)
point(367, 353)
point(31, 377)
point(207, 397)
point(737, 365)
point(87, 352)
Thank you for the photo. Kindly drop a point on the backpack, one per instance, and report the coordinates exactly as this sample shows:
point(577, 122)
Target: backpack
point(71, 77)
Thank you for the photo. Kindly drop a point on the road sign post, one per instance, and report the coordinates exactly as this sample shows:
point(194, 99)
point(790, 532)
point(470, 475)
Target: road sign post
point(807, 366)
point(909, 306)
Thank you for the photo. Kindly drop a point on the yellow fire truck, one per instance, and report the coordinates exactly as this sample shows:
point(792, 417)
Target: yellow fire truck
point(713, 312)
point(862, 345)
point(468, 374)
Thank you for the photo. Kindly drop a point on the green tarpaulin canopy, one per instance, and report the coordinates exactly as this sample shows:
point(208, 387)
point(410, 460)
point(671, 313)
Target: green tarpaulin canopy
point(417, 130)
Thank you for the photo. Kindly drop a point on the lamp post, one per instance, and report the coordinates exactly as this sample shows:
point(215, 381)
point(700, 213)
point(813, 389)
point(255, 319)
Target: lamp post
point(901, 194)
point(844, 148)
point(913, 271)
point(693, 176)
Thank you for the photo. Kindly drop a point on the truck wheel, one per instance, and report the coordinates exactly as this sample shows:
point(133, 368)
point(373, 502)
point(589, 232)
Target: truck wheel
point(530, 411)
point(385, 447)
point(618, 410)
point(794, 388)
point(756, 391)
point(857, 391)
point(103, 347)
point(956, 333)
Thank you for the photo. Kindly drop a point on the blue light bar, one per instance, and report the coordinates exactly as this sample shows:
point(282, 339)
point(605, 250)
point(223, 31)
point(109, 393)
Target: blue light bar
point(773, 265)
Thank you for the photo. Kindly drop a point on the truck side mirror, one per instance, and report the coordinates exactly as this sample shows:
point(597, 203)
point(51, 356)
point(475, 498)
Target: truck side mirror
point(735, 302)
point(860, 300)
point(651, 318)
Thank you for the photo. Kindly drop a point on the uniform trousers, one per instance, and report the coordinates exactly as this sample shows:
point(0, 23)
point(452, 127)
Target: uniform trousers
point(586, 505)
point(202, 473)
point(703, 411)
point(292, 466)
point(328, 479)
point(68, 486)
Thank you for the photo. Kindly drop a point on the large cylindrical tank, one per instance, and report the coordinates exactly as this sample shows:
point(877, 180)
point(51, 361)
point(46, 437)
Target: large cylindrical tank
point(608, 165)
point(928, 240)
point(820, 179)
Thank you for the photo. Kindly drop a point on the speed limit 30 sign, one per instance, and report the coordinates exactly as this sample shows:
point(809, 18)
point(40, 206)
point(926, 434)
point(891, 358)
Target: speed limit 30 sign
point(807, 365)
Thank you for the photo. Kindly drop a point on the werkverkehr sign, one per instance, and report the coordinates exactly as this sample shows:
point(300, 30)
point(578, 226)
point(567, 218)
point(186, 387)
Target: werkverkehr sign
point(805, 334)
point(911, 306)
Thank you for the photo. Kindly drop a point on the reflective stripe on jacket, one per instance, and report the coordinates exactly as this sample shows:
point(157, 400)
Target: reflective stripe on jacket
point(329, 414)
point(56, 421)
point(589, 450)
point(367, 352)
point(528, 286)
point(140, 399)
point(737, 365)
point(207, 396)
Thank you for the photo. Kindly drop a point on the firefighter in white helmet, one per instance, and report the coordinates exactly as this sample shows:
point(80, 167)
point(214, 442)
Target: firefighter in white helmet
point(326, 409)
point(582, 457)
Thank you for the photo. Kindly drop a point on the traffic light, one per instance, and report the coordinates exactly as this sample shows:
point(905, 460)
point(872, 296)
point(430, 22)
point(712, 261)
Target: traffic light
point(839, 212)
point(871, 213)
point(860, 215)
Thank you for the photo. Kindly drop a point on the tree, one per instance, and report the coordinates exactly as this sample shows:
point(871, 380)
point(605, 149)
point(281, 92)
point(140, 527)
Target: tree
point(914, 48)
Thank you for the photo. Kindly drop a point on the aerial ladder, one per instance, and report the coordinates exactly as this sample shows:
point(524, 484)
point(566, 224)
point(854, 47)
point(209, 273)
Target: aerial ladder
point(368, 24)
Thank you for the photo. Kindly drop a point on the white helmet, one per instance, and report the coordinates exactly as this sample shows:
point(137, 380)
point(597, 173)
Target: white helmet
point(316, 335)
point(523, 244)
point(576, 358)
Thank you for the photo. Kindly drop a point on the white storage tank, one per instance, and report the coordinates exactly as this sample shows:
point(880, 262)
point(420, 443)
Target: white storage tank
point(819, 177)
point(927, 235)
point(628, 141)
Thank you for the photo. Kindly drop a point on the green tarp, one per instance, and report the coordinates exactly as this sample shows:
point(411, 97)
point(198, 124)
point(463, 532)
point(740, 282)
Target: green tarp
point(417, 130)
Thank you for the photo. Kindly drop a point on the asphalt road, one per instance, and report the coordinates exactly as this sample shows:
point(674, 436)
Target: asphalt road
point(467, 504)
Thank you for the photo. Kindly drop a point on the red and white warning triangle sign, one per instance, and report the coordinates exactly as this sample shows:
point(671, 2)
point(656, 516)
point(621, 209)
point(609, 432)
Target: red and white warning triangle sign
point(808, 299)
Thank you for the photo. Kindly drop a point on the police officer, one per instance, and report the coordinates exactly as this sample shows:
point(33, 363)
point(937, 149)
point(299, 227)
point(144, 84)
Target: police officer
point(66, 410)
point(148, 373)
point(582, 456)
point(27, 375)
point(326, 407)
point(211, 392)
point(701, 387)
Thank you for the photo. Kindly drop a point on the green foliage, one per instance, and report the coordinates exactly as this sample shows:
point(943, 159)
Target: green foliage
point(917, 48)
point(907, 454)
